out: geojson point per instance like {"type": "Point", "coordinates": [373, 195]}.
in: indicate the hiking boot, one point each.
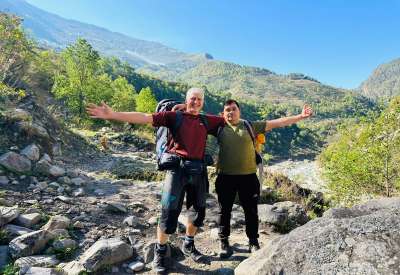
{"type": "Point", "coordinates": [160, 261]}
{"type": "Point", "coordinates": [225, 250]}
{"type": "Point", "coordinates": [253, 245]}
{"type": "Point", "coordinates": [189, 250]}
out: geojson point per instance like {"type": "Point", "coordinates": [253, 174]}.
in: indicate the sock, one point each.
{"type": "Point", "coordinates": [189, 240]}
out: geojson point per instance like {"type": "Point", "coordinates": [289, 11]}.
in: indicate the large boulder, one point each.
{"type": "Point", "coordinates": [8, 214]}
{"type": "Point", "coordinates": [32, 152]}
{"type": "Point", "coordinates": [57, 222]}
{"type": "Point", "coordinates": [102, 253]}
{"type": "Point", "coordinates": [364, 239]}
{"type": "Point", "coordinates": [30, 243]}
{"type": "Point", "coordinates": [15, 163]}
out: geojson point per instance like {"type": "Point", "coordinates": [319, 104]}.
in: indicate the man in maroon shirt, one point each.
{"type": "Point", "coordinates": [189, 176]}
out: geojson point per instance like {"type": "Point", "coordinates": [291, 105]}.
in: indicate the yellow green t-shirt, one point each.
{"type": "Point", "coordinates": [236, 149]}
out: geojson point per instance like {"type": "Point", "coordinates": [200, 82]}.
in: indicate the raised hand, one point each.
{"type": "Point", "coordinates": [306, 112]}
{"type": "Point", "coordinates": [179, 107]}
{"type": "Point", "coordinates": [102, 111]}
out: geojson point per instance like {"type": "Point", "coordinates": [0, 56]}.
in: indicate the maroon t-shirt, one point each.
{"type": "Point", "coordinates": [191, 137]}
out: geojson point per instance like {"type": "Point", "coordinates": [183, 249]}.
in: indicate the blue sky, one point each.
{"type": "Point", "coordinates": [339, 42]}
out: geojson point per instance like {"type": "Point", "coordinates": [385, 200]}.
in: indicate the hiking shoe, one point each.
{"type": "Point", "coordinates": [160, 261]}
{"type": "Point", "coordinates": [225, 250]}
{"type": "Point", "coordinates": [189, 250]}
{"type": "Point", "coordinates": [253, 245]}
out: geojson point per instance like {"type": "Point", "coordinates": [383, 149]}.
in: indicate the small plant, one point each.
{"type": "Point", "coordinates": [4, 237]}
{"type": "Point", "coordinates": [10, 269]}
{"type": "Point", "coordinates": [64, 253]}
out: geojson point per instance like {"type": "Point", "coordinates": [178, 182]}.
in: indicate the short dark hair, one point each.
{"type": "Point", "coordinates": [230, 102]}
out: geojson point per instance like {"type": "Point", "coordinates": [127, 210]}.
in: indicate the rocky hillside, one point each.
{"type": "Point", "coordinates": [384, 81]}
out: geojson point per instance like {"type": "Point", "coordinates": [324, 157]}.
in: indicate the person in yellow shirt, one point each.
{"type": "Point", "coordinates": [236, 167]}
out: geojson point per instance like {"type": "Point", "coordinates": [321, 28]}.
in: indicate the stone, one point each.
{"type": "Point", "coordinates": [78, 181]}
{"type": "Point", "coordinates": [136, 266]}
{"type": "Point", "coordinates": [42, 271]}
{"type": "Point", "coordinates": [54, 185]}
{"type": "Point", "coordinates": [105, 252]}
{"type": "Point", "coordinates": [131, 221]}
{"type": "Point", "coordinates": [296, 213]}
{"type": "Point", "coordinates": [64, 180]}
{"type": "Point", "coordinates": [80, 192]}
{"type": "Point", "coordinates": [37, 261]}
{"type": "Point", "coordinates": [29, 244]}
{"type": "Point", "coordinates": [272, 214]}
{"type": "Point", "coordinates": [34, 129]}
{"type": "Point", "coordinates": [74, 268]}
{"type": "Point", "coordinates": [15, 230]}
{"type": "Point", "coordinates": [116, 207]}
{"type": "Point", "coordinates": [64, 244]}
{"type": "Point", "coordinates": [32, 152]}
{"type": "Point", "coordinates": [42, 167]}
{"type": "Point", "coordinates": [152, 221]}
{"type": "Point", "coordinates": [65, 199]}
{"type": "Point", "coordinates": [57, 222]}
{"type": "Point", "coordinates": [56, 171]}
{"type": "Point", "coordinates": [46, 157]}
{"type": "Point", "coordinates": [16, 163]}
{"type": "Point", "coordinates": [363, 239]}
{"type": "Point", "coordinates": [214, 234]}
{"type": "Point", "coordinates": [42, 185]}
{"type": "Point", "coordinates": [28, 220]}
{"type": "Point", "coordinates": [4, 180]}
{"type": "Point", "coordinates": [8, 214]}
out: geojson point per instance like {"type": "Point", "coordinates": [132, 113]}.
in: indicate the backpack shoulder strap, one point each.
{"type": "Point", "coordinates": [204, 120]}
{"type": "Point", "coordinates": [219, 132]}
{"type": "Point", "coordinates": [250, 129]}
{"type": "Point", "coordinates": [178, 122]}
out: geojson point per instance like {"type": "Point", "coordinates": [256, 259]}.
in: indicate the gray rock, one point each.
{"type": "Point", "coordinates": [131, 221]}
{"type": "Point", "coordinates": [271, 214]}
{"type": "Point", "coordinates": [78, 181]}
{"type": "Point", "coordinates": [42, 271]}
{"type": "Point", "coordinates": [64, 180]}
{"type": "Point", "coordinates": [4, 257]}
{"type": "Point", "coordinates": [34, 129]}
{"type": "Point", "coordinates": [80, 192]}
{"type": "Point", "coordinates": [56, 171]}
{"type": "Point", "coordinates": [29, 244]}
{"type": "Point", "coordinates": [364, 239]}
{"type": "Point", "coordinates": [42, 185]}
{"type": "Point", "coordinates": [65, 199]}
{"type": "Point", "coordinates": [8, 214]}
{"type": "Point", "coordinates": [296, 213]}
{"type": "Point", "coordinates": [105, 252]}
{"type": "Point", "coordinates": [153, 221]}
{"type": "Point", "coordinates": [57, 222]}
{"type": "Point", "coordinates": [28, 220]}
{"type": "Point", "coordinates": [20, 115]}
{"type": "Point", "coordinates": [136, 266]}
{"type": "Point", "coordinates": [64, 244]}
{"type": "Point", "coordinates": [15, 163]}
{"type": "Point", "coordinates": [32, 152]}
{"type": "Point", "coordinates": [4, 180]}
{"type": "Point", "coordinates": [46, 157]}
{"type": "Point", "coordinates": [74, 268]}
{"type": "Point", "coordinates": [37, 261]}
{"type": "Point", "coordinates": [14, 230]}
{"type": "Point", "coordinates": [42, 167]}
{"type": "Point", "coordinates": [116, 207]}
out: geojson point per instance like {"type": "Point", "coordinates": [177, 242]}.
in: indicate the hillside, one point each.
{"type": "Point", "coordinates": [383, 82]}
{"type": "Point", "coordinates": [56, 32]}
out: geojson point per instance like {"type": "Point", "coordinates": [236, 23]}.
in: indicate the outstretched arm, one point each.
{"type": "Point", "coordinates": [286, 121]}
{"type": "Point", "coordinates": [103, 111]}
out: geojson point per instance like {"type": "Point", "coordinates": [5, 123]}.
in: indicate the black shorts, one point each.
{"type": "Point", "coordinates": [176, 184]}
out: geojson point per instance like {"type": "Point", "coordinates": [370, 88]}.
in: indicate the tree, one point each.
{"type": "Point", "coordinates": [146, 101]}
{"type": "Point", "coordinates": [123, 98]}
{"type": "Point", "coordinates": [15, 50]}
{"type": "Point", "coordinates": [80, 66]}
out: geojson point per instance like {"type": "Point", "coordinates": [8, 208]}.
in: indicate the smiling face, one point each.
{"type": "Point", "coordinates": [231, 113]}
{"type": "Point", "coordinates": [194, 101]}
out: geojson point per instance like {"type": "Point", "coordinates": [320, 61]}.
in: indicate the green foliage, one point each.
{"type": "Point", "coordinates": [4, 237]}
{"type": "Point", "coordinates": [364, 160]}
{"type": "Point", "coordinates": [10, 269]}
{"type": "Point", "coordinates": [15, 50]}
{"type": "Point", "coordinates": [123, 98]}
{"type": "Point", "coordinates": [10, 94]}
{"type": "Point", "coordinates": [146, 101]}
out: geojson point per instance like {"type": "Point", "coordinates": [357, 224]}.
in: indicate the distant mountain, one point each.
{"type": "Point", "coordinates": [246, 82]}
{"type": "Point", "coordinates": [383, 82]}
{"type": "Point", "coordinates": [169, 64]}
{"type": "Point", "coordinates": [57, 32]}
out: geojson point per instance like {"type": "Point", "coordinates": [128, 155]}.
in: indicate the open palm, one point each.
{"type": "Point", "coordinates": [102, 111]}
